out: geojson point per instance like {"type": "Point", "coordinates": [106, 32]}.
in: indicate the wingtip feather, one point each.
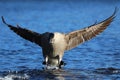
{"type": "Point", "coordinates": [3, 20]}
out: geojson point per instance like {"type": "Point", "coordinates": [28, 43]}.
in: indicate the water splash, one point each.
{"type": "Point", "coordinates": [15, 77]}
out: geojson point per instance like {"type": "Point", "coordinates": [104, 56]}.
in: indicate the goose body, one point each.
{"type": "Point", "coordinates": [53, 50]}
{"type": "Point", "coordinates": [54, 44]}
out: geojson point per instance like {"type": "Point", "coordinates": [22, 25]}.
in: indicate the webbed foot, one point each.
{"type": "Point", "coordinates": [62, 63]}
{"type": "Point", "coordinates": [44, 63]}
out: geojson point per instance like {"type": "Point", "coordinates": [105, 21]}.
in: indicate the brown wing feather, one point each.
{"type": "Point", "coordinates": [25, 33]}
{"type": "Point", "coordinates": [76, 37]}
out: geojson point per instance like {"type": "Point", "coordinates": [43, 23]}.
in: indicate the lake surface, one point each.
{"type": "Point", "coordinates": [97, 59]}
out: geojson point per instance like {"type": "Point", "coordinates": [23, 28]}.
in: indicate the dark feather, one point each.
{"type": "Point", "coordinates": [25, 33]}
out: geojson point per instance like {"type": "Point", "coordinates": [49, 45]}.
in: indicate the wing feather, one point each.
{"type": "Point", "coordinates": [77, 37]}
{"type": "Point", "coordinates": [25, 33]}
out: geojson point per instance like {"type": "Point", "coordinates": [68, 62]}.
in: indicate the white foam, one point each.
{"type": "Point", "coordinates": [51, 67]}
{"type": "Point", "coordinates": [13, 76]}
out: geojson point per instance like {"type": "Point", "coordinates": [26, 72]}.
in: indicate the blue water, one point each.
{"type": "Point", "coordinates": [97, 59]}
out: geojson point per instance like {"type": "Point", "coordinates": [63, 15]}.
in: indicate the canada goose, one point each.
{"type": "Point", "coordinates": [54, 44]}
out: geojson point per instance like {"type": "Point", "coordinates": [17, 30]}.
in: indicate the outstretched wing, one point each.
{"type": "Point", "coordinates": [77, 37]}
{"type": "Point", "coordinates": [25, 33]}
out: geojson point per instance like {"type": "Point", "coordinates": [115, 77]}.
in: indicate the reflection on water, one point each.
{"type": "Point", "coordinates": [97, 59]}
